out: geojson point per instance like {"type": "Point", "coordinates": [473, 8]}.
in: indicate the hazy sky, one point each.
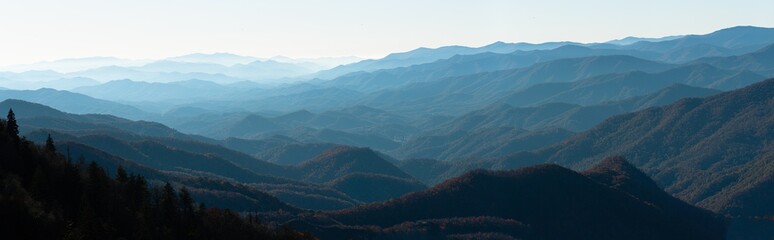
{"type": "Point", "coordinates": [32, 30]}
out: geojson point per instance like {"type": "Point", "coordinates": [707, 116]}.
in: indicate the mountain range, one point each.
{"type": "Point", "coordinates": [711, 151]}
{"type": "Point", "coordinates": [637, 138]}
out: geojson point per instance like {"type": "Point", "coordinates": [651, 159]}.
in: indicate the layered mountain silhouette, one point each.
{"type": "Point", "coordinates": [154, 146]}
{"type": "Point", "coordinates": [479, 142]}
{"type": "Point", "coordinates": [736, 40]}
{"type": "Point", "coordinates": [394, 148]}
{"type": "Point", "coordinates": [40, 116]}
{"type": "Point", "coordinates": [741, 37]}
{"type": "Point", "coordinates": [427, 55]}
{"type": "Point", "coordinates": [496, 131]}
{"type": "Point", "coordinates": [128, 90]}
{"type": "Point", "coordinates": [761, 61]}
{"type": "Point", "coordinates": [624, 85]}
{"type": "Point", "coordinates": [570, 116]}
{"type": "Point", "coordinates": [357, 126]}
{"type": "Point", "coordinates": [709, 151]}
{"type": "Point", "coordinates": [453, 93]}
{"type": "Point", "coordinates": [471, 64]}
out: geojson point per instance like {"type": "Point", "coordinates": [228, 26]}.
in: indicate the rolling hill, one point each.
{"type": "Point", "coordinates": [340, 161]}
{"type": "Point", "coordinates": [547, 198]}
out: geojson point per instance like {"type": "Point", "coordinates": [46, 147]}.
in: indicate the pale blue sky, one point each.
{"type": "Point", "coordinates": [33, 30]}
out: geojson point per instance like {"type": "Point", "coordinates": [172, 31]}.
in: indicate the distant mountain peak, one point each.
{"type": "Point", "coordinates": [743, 28]}
{"type": "Point", "coordinates": [222, 58]}
{"type": "Point", "coordinates": [216, 54]}
{"type": "Point", "coordinates": [497, 44]}
{"type": "Point", "coordinates": [571, 47]}
{"type": "Point", "coordinates": [631, 40]}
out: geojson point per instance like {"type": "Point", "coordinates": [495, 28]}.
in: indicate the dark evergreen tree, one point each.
{"type": "Point", "coordinates": [50, 144]}
{"type": "Point", "coordinates": [12, 128]}
{"type": "Point", "coordinates": [188, 215]}
{"type": "Point", "coordinates": [168, 205]}
{"type": "Point", "coordinates": [121, 175]}
{"type": "Point", "coordinates": [186, 203]}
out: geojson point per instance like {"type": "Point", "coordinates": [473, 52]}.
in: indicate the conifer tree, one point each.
{"type": "Point", "coordinates": [50, 144]}
{"type": "Point", "coordinates": [11, 127]}
{"type": "Point", "coordinates": [186, 202]}
{"type": "Point", "coordinates": [121, 175]}
{"type": "Point", "coordinates": [169, 206]}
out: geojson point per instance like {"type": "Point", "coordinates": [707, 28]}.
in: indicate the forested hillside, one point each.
{"type": "Point", "coordinates": [46, 195]}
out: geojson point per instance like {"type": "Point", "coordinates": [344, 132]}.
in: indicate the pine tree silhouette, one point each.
{"type": "Point", "coordinates": [12, 128]}
{"type": "Point", "coordinates": [50, 144]}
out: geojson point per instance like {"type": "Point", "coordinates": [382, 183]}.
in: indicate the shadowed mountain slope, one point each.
{"type": "Point", "coordinates": [553, 201]}
{"type": "Point", "coordinates": [707, 151]}
{"type": "Point", "coordinates": [340, 161]}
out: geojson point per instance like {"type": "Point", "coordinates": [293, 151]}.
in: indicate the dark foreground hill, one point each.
{"type": "Point", "coordinates": [613, 201]}
{"type": "Point", "coordinates": [44, 195]}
